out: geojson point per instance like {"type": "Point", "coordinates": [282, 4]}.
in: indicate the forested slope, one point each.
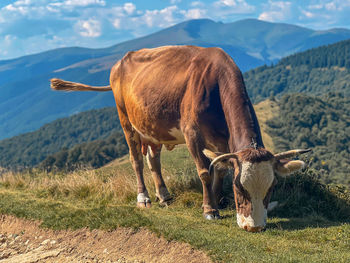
{"type": "Point", "coordinates": [30, 149]}
{"type": "Point", "coordinates": [91, 154]}
{"type": "Point", "coordinates": [316, 71]}
{"type": "Point", "coordinates": [321, 123]}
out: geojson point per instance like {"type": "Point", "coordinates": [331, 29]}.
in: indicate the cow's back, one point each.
{"type": "Point", "coordinates": [152, 87]}
{"type": "Point", "coordinates": [149, 85]}
{"type": "Point", "coordinates": [148, 75]}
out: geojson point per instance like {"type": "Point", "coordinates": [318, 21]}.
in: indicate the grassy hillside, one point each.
{"type": "Point", "coordinates": [30, 149]}
{"type": "Point", "coordinates": [312, 223]}
{"type": "Point", "coordinates": [316, 71]}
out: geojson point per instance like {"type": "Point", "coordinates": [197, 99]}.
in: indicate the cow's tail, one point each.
{"type": "Point", "coordinates": [59, 84]}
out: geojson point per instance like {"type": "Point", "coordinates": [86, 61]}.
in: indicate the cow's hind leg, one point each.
{"type": "Point", "coordinates": [196, 145]}
{"type": "Point", "coordinates": [153, 161]}
{"type": "Point", "coordinates": [136, 158]}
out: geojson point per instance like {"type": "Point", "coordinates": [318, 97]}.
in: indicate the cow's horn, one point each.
{"type": "Point", "coordinates": [220, 158]}
{"type": "Point", "coordinates": [290, 154]}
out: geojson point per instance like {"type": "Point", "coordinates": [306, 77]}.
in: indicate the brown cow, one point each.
{"type": "Point", "coordinates": [185, 94]}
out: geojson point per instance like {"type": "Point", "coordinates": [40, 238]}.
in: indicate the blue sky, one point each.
{"type": "Point", "coordinates": [32, 26]}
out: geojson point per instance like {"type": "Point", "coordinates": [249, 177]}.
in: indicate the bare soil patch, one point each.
{"type": "Point", "coordinates": [24, 241]}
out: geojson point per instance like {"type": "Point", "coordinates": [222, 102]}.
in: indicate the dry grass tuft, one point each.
{"type": "Point", "coordinates": [81, 185]}
{"type": "Point", "coordinates": [115, 183]}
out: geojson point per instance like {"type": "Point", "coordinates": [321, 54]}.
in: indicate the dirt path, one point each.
{"type": "Point", "coordinates": [24, 241]}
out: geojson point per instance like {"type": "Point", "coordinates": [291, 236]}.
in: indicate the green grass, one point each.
{"type": "Point", "coordinates": [311, 225]}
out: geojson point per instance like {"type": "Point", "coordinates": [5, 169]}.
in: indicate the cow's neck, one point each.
{"type": "Point", "coordinates": [239, 113]}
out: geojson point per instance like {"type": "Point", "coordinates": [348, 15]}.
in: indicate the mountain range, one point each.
{"type": "Point", "coordinates": [26, 101]}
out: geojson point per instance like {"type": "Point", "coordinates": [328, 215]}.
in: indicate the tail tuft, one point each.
{"type": "Point", "coordinates": [58, 84]}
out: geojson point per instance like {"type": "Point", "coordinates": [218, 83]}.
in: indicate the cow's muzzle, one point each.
{"type": "Point", "coordinates": [254, 229]}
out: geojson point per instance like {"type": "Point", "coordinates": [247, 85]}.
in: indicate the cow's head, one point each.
{"type": "Point", "coordinates": [254, 180]}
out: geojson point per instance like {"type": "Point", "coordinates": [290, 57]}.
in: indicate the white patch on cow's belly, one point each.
{"type": "Point", "coordinates": [146, 136]}
{"type": "Point", "coordinates": [178, 135]}
{"type": "Point", "coordinates": [173, 132]}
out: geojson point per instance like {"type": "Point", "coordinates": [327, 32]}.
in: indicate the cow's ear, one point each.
{"type": "Point", "coordinates": [222, 164]}
{"type": "Point", "coordinates": [286, 167]}
{"type": "Point", "coordinates": [211, 155]}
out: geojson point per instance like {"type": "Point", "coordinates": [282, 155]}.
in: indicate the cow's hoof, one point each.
{"type": "Point", "coordinates": [144, 204]}
{"type": "Point", "coordinates": [214, 216]}
{"type": "Point", "coordinates": [165, 203]}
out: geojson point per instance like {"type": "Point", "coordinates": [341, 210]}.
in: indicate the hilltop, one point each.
{"type": "Point", "coordinates": [26, 101]}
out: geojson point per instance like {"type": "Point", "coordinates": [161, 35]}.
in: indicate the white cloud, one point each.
{"type": "Point", "coordinates": [129, 8]}
{"type": "Point", "coordinates": [308, 14]}
{"type": "Point", "coordinates": [234, 6]}
{"type": "Point", "coordinates": [23, 10]}
{"type": "Point", "coordinates": [226, 3]}
{"type": "Point", "coordinates": [331, 6]}
{"type": "Point", "coordinates": [316, 6]}
{"type": "Point", "coordinates": [276, 11]}
{"type": "Point", "coordinates": [9, 39]}
{"type": "Point", "coordinates": [116, 23]}
{"type": "Point", "coordinates": [197, 4]}
{"type": "Point", "coordinates": [337, 5]}
{"type": "Point", "coordinates": [326, 13]}
{"type": "Point", "coordinates": [194, 13]}
{"type": "Point", "coordinates": [160, 18]}
{"type": "Point", "coordinates": [23, 2]}
{"type": "Point", "coordinates": [89, 28]}
{"type": "Point", "coordinates": [227, 9]}
{"type": "Point", "coordinates": [84, 2]}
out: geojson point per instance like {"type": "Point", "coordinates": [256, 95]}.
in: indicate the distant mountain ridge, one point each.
{"type": "Point", "coordinates": [26, 101]}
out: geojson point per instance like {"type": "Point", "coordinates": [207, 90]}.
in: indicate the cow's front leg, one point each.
{"type": "Point", "coordinates": [221, 200]}
{"type": "Point", "coordinates": [195, 144]}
